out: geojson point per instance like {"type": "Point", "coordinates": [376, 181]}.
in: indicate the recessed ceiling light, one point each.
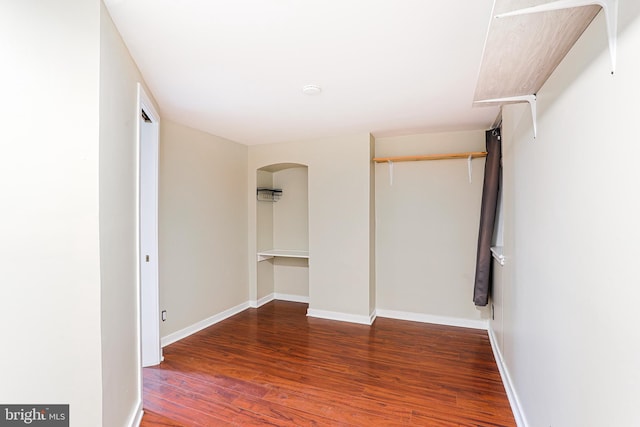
{"type": "Point", "coordinates": [311, 90]}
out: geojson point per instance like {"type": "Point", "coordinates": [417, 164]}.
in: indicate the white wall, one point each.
{"type": "Point", "coordinates": [291, 212]}
{"type": "Point", "coordinates": [569, 286]}
{"type": "Point", "coordinates": [265, 212]}
{"type": "Point", "coordinates": [291, 231]}
{"type": "Point", "coordinates": [203, 225]}
{"type": "Point", "coordinates": [427, 226]}
{"type": "Point", "coordinates": [118, 217]}
{"type": "Point", "coordinates": [339, 271]}
{"type": "Point", "coordinates": [49, 221]}
{"type": "Point", "coordinates": [264, 238]}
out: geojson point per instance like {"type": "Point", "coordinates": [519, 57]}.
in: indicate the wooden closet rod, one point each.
{"type": "Point", "coordinates": [472, 154]}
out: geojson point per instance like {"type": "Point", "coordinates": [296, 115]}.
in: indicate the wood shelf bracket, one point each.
{"type": "Point", "coordinates": [531, 99]}
{"type": "Point", "coordinates": [610, 8]}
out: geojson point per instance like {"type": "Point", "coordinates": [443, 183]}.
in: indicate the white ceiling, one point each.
{"type": "Point", "coordinates": [236, 68]}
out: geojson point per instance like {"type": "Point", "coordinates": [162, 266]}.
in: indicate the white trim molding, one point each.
{"type": "Point", "coordinates": [278, 296]}
{"type": "Point", "coordinates": [342, 317]}
{"type": "Point", "coordinates": [509, 388]}
{"type": "Point", "coordinates": [198, 326]}
{"type": "Point", "coordinates": [147, 282]}
{"type": "Point", "coordinates": [291, 298]}
{"type": "Point", "coordinates": [262, 301]}
{"type": "Point", "coordinates": [136, 417]}
{"type": "Point", "coordinates": [438, 320]}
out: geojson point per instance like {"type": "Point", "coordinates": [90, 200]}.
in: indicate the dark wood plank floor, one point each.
{"type": "Point", "coordinates": [275, 366]}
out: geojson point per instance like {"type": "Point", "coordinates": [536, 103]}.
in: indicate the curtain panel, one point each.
{"type": "Point", "coordinates": [491, 186]}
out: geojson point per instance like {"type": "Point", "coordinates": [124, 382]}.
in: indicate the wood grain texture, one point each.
{"type": "Point", "coordinates": [444, 156]}
{"type": "Point", "coordinates": [276, 366]}
{"type": "Point", "coordinates": [522, 51]}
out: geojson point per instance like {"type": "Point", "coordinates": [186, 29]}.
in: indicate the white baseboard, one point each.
{"type": "Point", "coordinates": [291, 297]}
{"type": "Point", "coordinates": [278, 296]}
{"type": "Point", "coordinates": [262, 301]}
{"type": "Point", "coordinates": [343, 317]}
{"type": "Point", "coordinates": [430, 318]}
{"type": "Point", "coordinates": [189, 330]}
{"type": "Point", "coordinates": [516, 407]}
{"type": "Point", "coordinates": [136, 417]}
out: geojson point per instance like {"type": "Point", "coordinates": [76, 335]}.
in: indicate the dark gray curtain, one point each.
{"type": "Point", "coordinates": [482, 287]}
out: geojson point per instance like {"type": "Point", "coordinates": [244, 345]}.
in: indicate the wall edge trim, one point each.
{"type": "Point", "coordinates": [430, 318]}
{"type": "Point", "coordinates": [514, 401]}
{"type": "Point", "coordinates": [136, 417]}
{"type": "Point", "coordinates": [261, 301]}
{"type": "Point", "coordinates": [342, 317]}
{"type": "Point", "coordinates": [291, 297]}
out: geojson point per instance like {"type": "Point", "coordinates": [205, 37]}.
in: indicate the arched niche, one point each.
{"type": "Point", "coordinates": [282, 231]}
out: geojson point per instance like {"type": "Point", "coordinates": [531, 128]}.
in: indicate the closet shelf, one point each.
{"type": "Point", "coordinates": [285, 253]}
{"type": "Point", "coordinates": [472, 154]}
{"type": "Point", "coordinates": [524, 46]}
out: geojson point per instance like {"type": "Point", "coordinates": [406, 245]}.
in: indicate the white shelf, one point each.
{"type": "Point", "coordinates": [498, 254]}
{"type": "Point", "coordinates": [286, 253]}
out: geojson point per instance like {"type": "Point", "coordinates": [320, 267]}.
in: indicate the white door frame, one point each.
{"type": "Point", "coordinates": [148, 289]}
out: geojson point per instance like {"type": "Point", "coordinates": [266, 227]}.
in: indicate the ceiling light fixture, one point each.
{"type": "Point", "coordinates": [311, 89]}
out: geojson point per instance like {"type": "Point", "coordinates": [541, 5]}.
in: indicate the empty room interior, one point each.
{"type": "Point", "coordinates": [262, 183]}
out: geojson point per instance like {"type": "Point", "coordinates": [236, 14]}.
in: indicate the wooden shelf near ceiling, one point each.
{"type": "Point", "coordinates": [472, 154]}
{"type": "Point", "coordinates": [522, 51]}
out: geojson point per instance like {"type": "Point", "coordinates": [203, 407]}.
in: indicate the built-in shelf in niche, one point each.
{"type": "Point", "coordinates": [282, 230]}
{"type": "Point", "coordinates": [268, 194]}
{"type": "Point", "coordinates": [285, 253]}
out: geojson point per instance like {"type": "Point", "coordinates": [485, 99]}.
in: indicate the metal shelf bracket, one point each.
{"type": "Point", "coordinates": [531, 99]}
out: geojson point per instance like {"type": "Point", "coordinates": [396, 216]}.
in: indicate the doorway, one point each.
{"type": "Point", "coordinates": [148, 146]}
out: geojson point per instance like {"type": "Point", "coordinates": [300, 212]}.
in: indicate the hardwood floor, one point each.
{"type": "Point", "coordinates": [275, 366]}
